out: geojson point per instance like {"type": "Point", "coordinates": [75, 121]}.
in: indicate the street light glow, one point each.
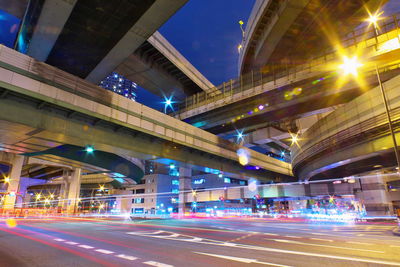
{"type": "Point", "coordinates": [350, 65]}
{"type": "Point", "coordinates": [374, 18]}
{"type": "Point", "coordinates": [6, 180]}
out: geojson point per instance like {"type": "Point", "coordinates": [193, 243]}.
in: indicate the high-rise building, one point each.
{"type": "Point", "coordinates": [120, 85]}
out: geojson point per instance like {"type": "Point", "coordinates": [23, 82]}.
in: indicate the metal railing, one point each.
{"type": "Point", "coordinates": [363, 36]}
{"type": "Point", "coordinates": [320, 138]}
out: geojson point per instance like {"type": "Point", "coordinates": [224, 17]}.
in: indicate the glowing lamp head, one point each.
{"type": "Point", "coordinates": [51, 196]}
{"type": "Point", "coordinates": [350, 65]}
{"type": "Point", "coordinates": [101, 188]}
{"type": "Point", "coordinates": [6, 179]}
{"type": "Point", "coordinates": [374, 18]}
{"type": "Point", "coordinates": [168, 102]}
{"type": "Point", "coordinates": [241, 22]}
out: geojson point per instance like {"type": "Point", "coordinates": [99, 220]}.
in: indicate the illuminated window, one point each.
{"type": "Point", "coordinates": [175, 191]}
{"type": "Point", "coordinates": [227, 180]}
{"type": "Point", "coordinates": [175, 182]}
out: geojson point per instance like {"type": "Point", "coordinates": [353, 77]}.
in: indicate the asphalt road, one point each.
{"type": "Point", "coordinates": [195, 242]}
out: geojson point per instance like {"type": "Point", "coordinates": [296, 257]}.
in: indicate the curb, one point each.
{"type": "Point", "coordinates": [396, 231]}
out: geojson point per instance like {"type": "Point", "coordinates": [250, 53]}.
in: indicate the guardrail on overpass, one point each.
{"type": "Point", "coordinates": [24, 75]}
{"type": "Point", "coordinates": [254, 83]}
{"type": "Point", "coordinates": [362, 120]}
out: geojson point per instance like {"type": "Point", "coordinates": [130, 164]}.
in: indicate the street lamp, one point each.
{"type": "Point", "coordinates": [373, 19]}
{"type": "Point", "coordinates": [168, 103]}
{"type": "Point", "coordinates": [350, 66]}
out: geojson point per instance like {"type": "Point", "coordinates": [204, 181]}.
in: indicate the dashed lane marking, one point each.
{"type": "Point", "coordinates": [71, 243]}
{"type": "Point", "coordinates": [358, 243]}
{"type": "Point", "coordinates": [270, 234]}
{"type": "Point", "coordinates": [85, 246]}
{"type": "Point", "coordinates": [59, 239]}
{"type": "Point", "coordinates": [326, 246]}
{"type": "Point", "coordinates": [318, 234]}
{"type": "Point", "coordinates": [126, 257]}
{"type": "Point", "coordinates": [243, 237]}
{"type": "Point", "coordinates": [104, 251]}
{"type": "Point", "coordinates": [244, 260]}
{"type": "Point", "coordinates": [320, 239]}
{"type": "Point", "coordinates": [157, 264]}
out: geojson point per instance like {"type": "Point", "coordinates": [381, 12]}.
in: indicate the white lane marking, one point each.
{"type": "Point", "coordinates": [126, 257]}
{"type": "Point", "coordinates": [244, 260]}
{"type": "Point", "coordinates": [318, 234]}
{"type": "Point", "coordinates": [104, 251]}
{"type": "Point", "coordinates": [157, 264]}
{"type": "Point", "coordinates": [229, 244]}
{"type": "Point", "coordinates": [326, 246]}
{"type": "Point", "coordinates": [145, 233]}
{"type": "Point", "coordinates": [293, 252]}
{"type": "Point", "coordinates": [320, 239]}
{"type": "Point", "coordinates": [270, 234]}
{"type": "Point", "coordinates": [292, 236]}
{"type": "Point", "coordinates": [59, 239]}
{"type": "Point", "coordinates": [71, 243]}
{"type": "Point", "coordinates": [85, 246]}
{"type": "Point", "coordinates": [358, 243]}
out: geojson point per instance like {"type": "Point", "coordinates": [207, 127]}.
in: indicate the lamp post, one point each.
{"type": "Point", "coordinates": [373, 19]}
{"type": "Point", "coordinates": [396, 151]}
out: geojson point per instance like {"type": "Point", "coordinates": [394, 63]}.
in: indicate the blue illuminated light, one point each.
{"type": "Point", "coordinates": [89, 149]}
{"type": "Point", "coordinates": [199, 181]}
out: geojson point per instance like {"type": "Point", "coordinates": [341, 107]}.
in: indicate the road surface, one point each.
{"type": "Point", "coordinates": [195, 242]}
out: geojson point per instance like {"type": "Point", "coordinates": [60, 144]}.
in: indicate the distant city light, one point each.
{"type": "Point", "coordinates": [89, 149]}
{"type": "Point", "coordinates": [294, 139]}
{"type": "Point", "coordinates": [239, 136]}
{"type": "Point", "coordinates": [172, 166]}
{"type": "Point", "coordinates": [168, 104]}
{"type": "Point", "coordinates": [243, 156]}
{"type": "Point", "coordinates": [7, 179]}
{"type": "Point", "coordinates": [260, 107]}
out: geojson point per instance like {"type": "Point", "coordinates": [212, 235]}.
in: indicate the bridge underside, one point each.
{"type": "Point", "coordinates": [54, 126]}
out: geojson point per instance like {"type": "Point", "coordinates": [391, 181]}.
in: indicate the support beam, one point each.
{"type": "Point", "coordinates": [53, 16]}
{"type": "Point", "coordinates": [185, 178]}
{"type": "Point", "coordinates": [74, 190]}
{"type": "Point", "coordinates": [13, 185]}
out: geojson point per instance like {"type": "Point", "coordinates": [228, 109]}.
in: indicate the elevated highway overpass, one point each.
{"type": "Point", "coordinates": [286, 32]}
{"type": "Point", "coordinates": [353, 139]}
{"type": "Point", "coordinates": [60, 108]}
{"type": "Point", "coordinates": [90, 39]}
{"type": "Point", "coordinates": [256, 100]}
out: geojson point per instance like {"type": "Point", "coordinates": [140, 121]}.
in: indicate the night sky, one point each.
{"type": "Point", "coordinates": [207, 33]}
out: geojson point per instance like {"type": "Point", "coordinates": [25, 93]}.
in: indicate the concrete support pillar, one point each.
{"type": "Point", "coordinates": [13, 185]}
{"type": "Point", "coordinates": [74, 190]}
{"type": "Point", "coordinates": [63, 190]}
{"type": "Point", "coordinates": [373, 193]}
{"type": "Point", "coordinates": [185, 179]}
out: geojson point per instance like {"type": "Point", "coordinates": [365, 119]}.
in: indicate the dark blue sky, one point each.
{"type": "Point", "coordinates": [207, 33]}
{"type": "Point", "coordinates": [9, 26]}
